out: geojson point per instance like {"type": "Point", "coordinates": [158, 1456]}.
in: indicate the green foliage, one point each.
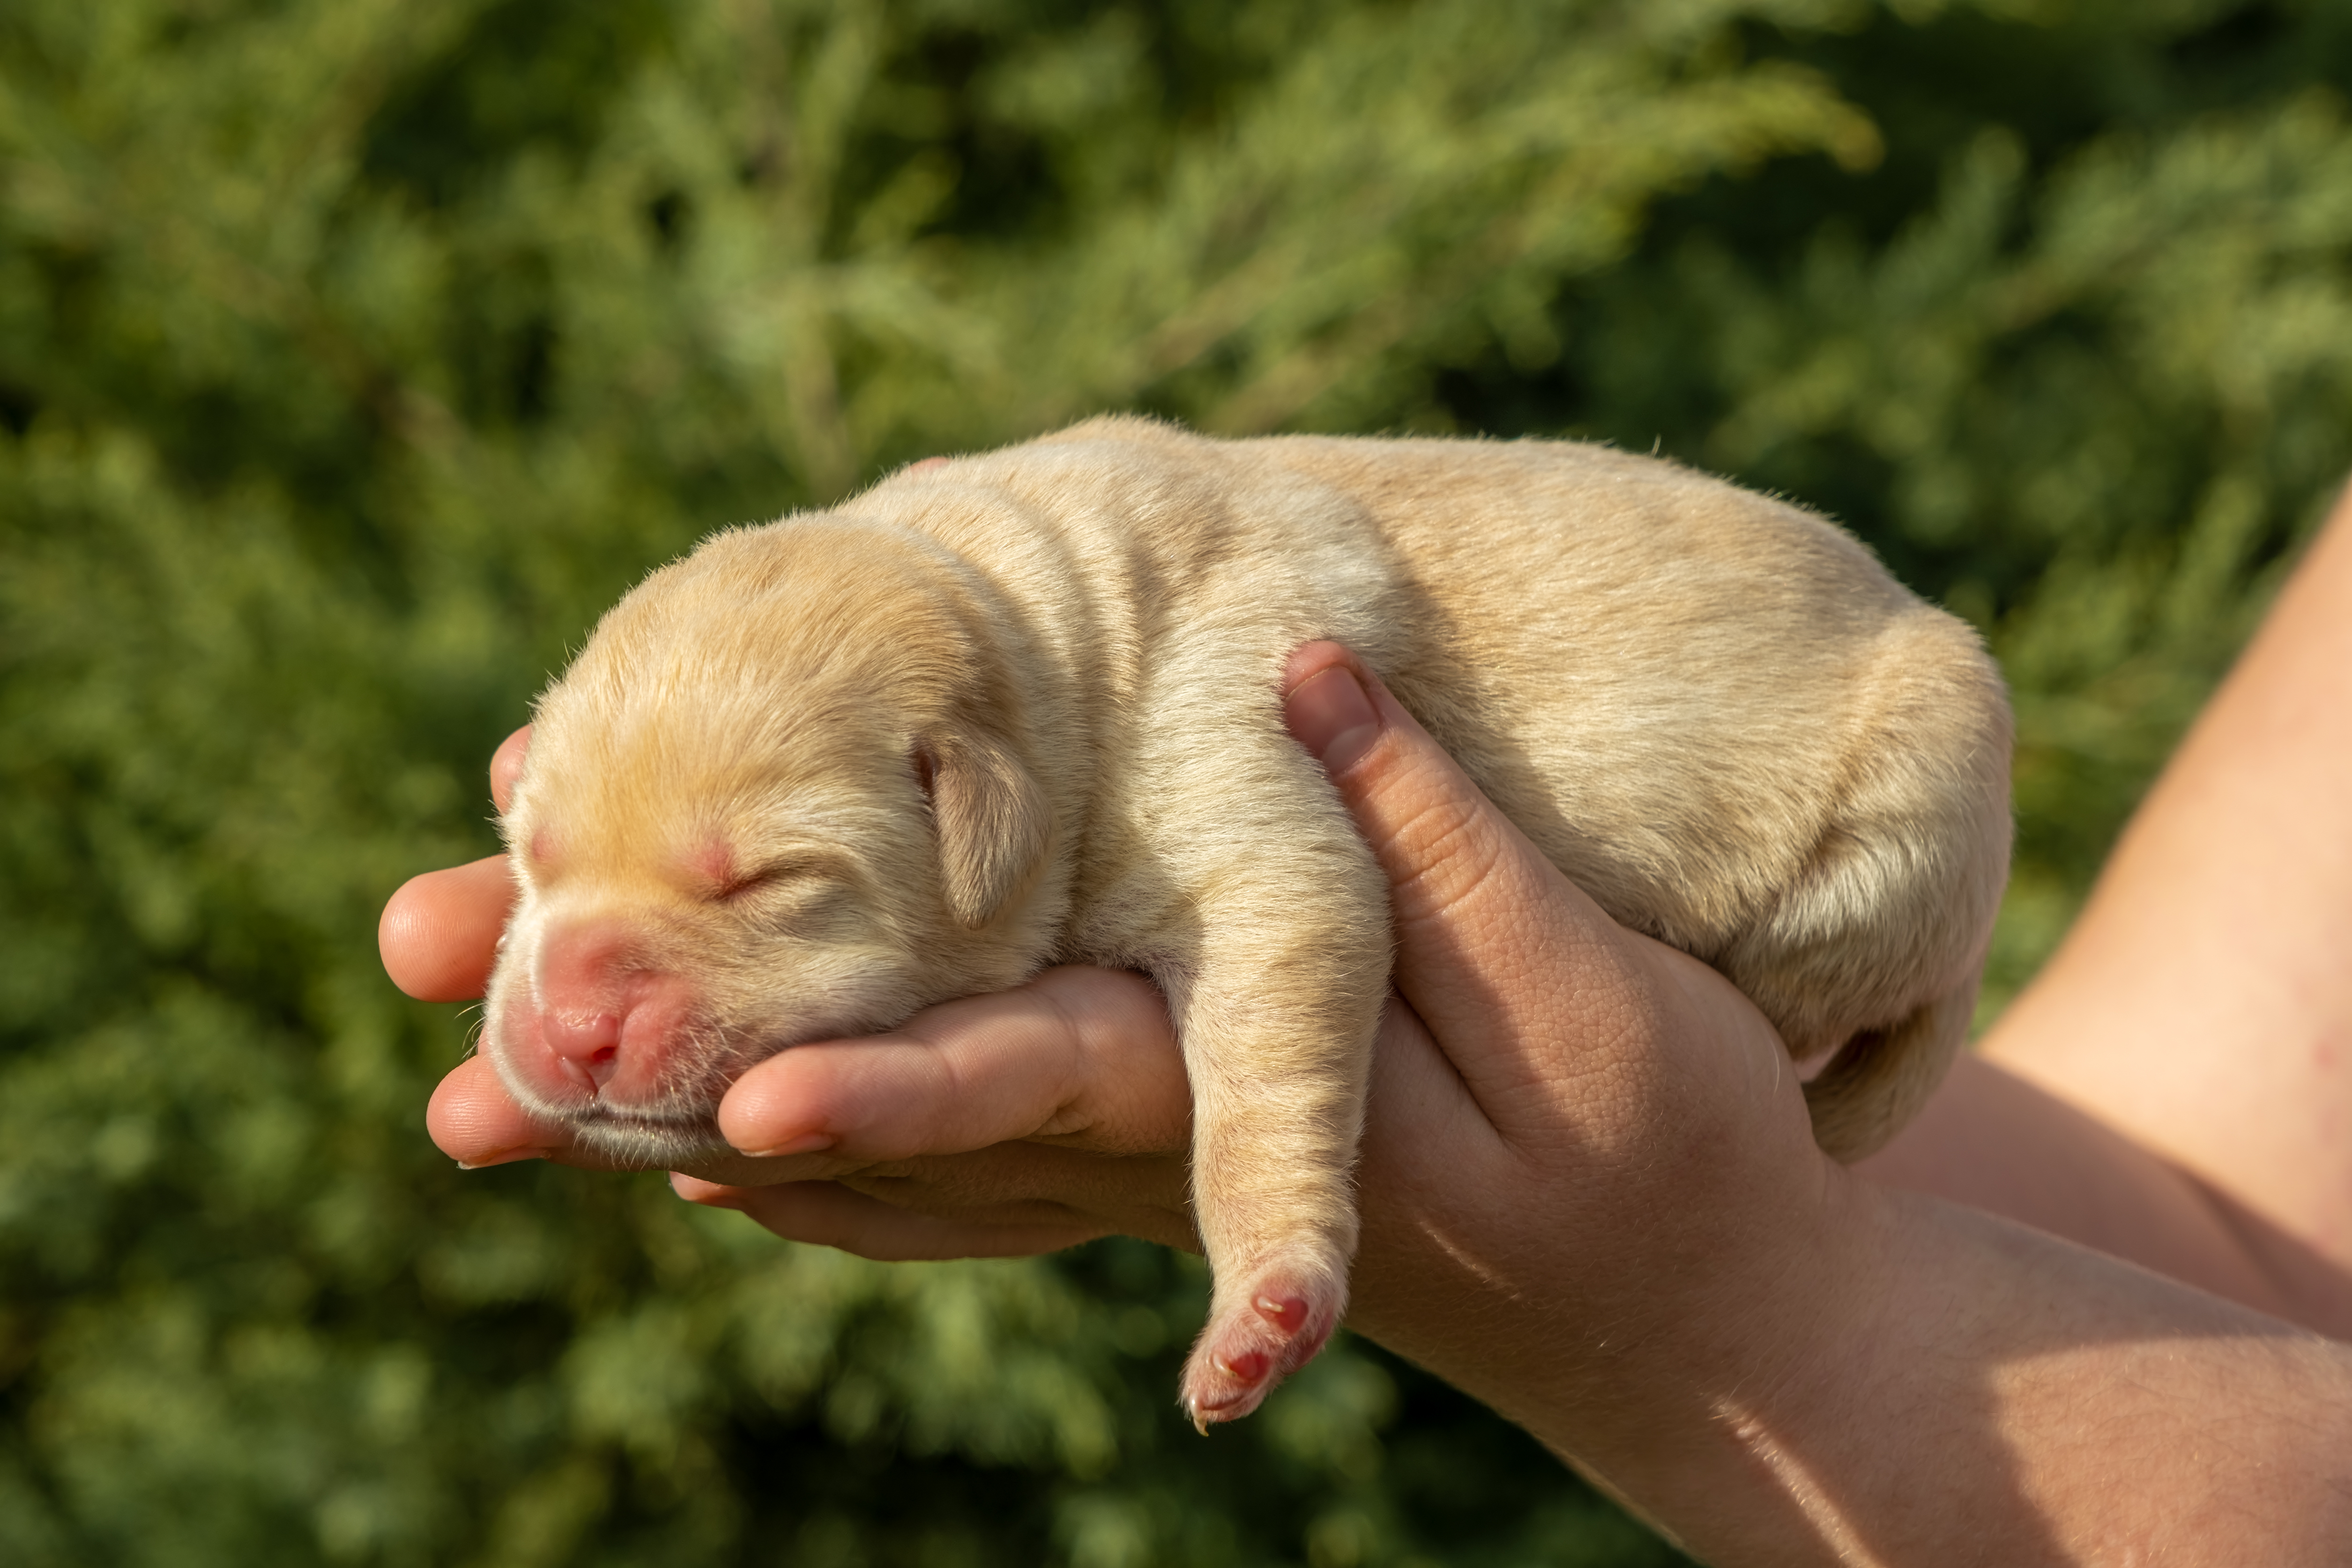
{"type": "Point", "coordinates": [354, 354]}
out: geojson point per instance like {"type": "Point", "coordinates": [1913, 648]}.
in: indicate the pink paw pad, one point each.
{"type": "Point", "coordinates": [1287, 1314]}
{"type": "Point", "coordinates": [1245, 1350]}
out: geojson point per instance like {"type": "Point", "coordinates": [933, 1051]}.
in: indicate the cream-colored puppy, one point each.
{"type": "Point", "coordinates": [1020, 708]}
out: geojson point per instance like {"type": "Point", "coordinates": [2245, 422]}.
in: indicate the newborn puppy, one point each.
{"type": "Point", "coordinates": [1020, 709]}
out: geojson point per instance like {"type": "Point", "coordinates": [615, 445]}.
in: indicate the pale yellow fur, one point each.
{"type": "Point", "coordinates": [1714, 712]}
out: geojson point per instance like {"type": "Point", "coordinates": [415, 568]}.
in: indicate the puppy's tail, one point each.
{"type": "Point", "coordinates": [1880, 1078]}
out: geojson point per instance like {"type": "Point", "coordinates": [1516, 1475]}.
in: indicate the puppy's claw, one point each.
{"type": "Point", "coordinates": [1287, 1314]}
{"type": "Point", "coordinates": [1247, 1351]}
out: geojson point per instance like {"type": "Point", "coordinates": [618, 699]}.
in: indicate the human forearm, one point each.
{"type": "Point", "coordinates": [2172, 1089]}
{"type": "Point", "coordinates": [2202, 1003]}
{"type": "Point", "coordinates": [1923, 1383]}
{"type": "Point", "coordinates": [2050, 1404]}
{"type": "Point", "coordinates": [2021, 1400]}
{"type": "Point", "coordinates": [1997, 1142]}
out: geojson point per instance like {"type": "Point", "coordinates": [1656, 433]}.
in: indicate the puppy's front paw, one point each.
{"type": "Point", "coordinates": [1261, 1330]}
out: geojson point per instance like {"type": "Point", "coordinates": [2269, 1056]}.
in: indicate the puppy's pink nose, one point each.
{"type": "Point", "coordinates": [586, 1045]}
{"type": "Point", "coordinates": [587, 991]}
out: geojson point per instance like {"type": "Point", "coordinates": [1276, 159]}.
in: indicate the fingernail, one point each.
{"type": "Point", "coordinates": [710, 1195]}
{"type": "Point", "coordinates": [806, 1144]}
{"type": "Point", "coordinates": [1332, 718]}
{"type": "Point", "coordinates": [504, 1157]}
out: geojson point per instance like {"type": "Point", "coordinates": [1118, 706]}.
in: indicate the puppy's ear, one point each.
{"type": "Point", "coordinates": [994, 824]}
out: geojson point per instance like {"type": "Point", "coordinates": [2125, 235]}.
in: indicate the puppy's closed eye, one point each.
{"type": "Point", "coordinates": [771, 882]}
{"type": "Point", "coordinates": [800, 899]}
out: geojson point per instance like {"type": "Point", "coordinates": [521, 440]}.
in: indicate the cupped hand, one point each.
{"type": "Point", "coordinates": [1587, 1177]}
{"type": "Point", "coordinates": [997, 1125]}
{"type": "Point", "coordinates": [1581, 1144]}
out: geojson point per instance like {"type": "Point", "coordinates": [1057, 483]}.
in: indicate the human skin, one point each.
{"type": "Point", "coordinates": [1591, 1198]}
{"type": "Point", "coordinates": [2176, 1087]}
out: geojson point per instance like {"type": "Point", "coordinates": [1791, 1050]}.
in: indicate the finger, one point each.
{"type": "Point", "coordinates": [476, 1122]}
{"type": "Point", "coordinates": [830, 1214]}
{"type": "Point", "coordinates": [439, 933]}
{"type": "Point", "coordinates": [1414, 1206]}
{"type": "Point", "coordinates": [1475, 904]}
{"type": "Point", "coordinates": [1020, 1184]}
{"type": "Point", "coordinates": [506, 767]}
{"type": "Point", "coordinates": [1080, 1056]}
{"type": "Point", "coordinates": [1027, 1184]}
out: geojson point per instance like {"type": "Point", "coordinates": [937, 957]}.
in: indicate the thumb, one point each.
{"type": "Point", "coordinates": [1495, 950]}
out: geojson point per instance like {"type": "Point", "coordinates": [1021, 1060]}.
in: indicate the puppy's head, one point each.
{"type": "Point", "coordinates": [782, 795]}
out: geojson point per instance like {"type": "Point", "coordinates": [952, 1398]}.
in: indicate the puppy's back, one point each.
{"type": "Point", "coordinates": [1721, 717]}
{"type": "Point", "coordinates": [1715, 712]}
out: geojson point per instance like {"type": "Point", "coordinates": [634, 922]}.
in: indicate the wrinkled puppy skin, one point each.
{"type": "Point", "coordinates": [1018, 709]}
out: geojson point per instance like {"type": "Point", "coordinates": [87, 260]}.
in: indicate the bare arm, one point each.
{"type": "Point", "coordinates": [2176, 1086]}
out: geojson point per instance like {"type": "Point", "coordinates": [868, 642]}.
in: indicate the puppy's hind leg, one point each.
{"type": "Point", "coordinates": [1277, 1016]}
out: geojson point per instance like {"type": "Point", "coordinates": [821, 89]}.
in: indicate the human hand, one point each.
{"type": "Point", "coordinates": [1007, 1124]}
{"type": "Point", "coordinates": [1563, 1112]}
{"type": "Point", "coordinates": [1587, 1157]}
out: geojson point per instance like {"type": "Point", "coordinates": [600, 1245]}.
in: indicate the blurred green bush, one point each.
{"type": "Point", "coordinates": [354, 353]}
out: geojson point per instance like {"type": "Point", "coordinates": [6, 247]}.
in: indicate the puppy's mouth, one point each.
{"type": "Point", "coordinates": [667, 1118]}
{"type": "Point", "coordinates": [646, 1141]}
{"type": "Point", "coordinates": [681, 1127]}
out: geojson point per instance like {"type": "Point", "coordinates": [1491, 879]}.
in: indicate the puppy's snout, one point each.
{"type": "Point", "coordinates": [607, 1020]}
